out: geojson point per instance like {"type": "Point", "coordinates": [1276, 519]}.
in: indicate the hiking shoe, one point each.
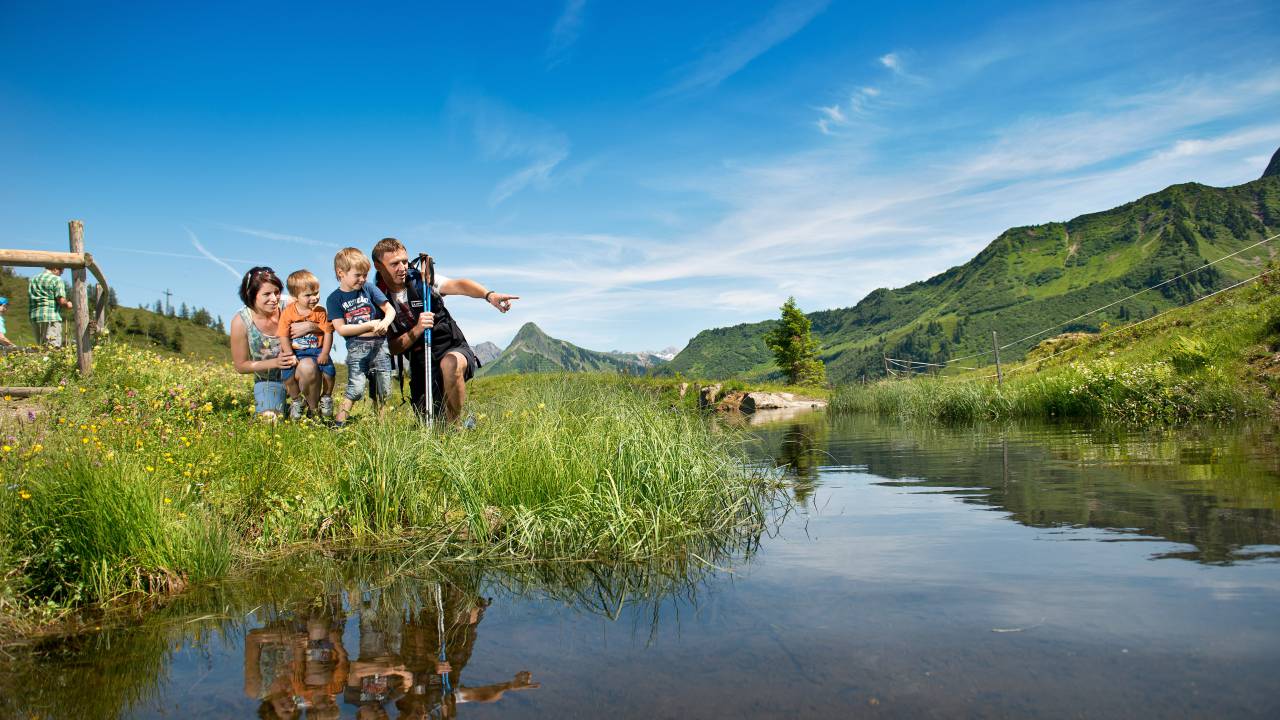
{"type": "Point", "coordinates": [337, 424]}
{"type": "Point", "coordinates": [326, 406]}
{"type": "Point", "coordinates": [296, 409]}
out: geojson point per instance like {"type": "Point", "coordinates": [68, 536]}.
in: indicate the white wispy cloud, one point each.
{"type": "Point", "coordinates": [282, 237]}
{"type": "Point", "coordinates": [738, 51]}
{"type": "Point", "coordinates": [504, 134]}
{"type": "Point", "coordinates": [893, 61]}
{"type": "Point", "coordinates": [162, 253]}
{"type": "Point", "coordinates": [565, 31]}
{"type": "Point", "coordinates": [195, 242]}
{"type": "Point", "coordinates": [835, 117]}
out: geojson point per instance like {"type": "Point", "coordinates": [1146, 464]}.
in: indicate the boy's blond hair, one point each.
{"type": "Point", "coordinates": [349, 258]}
{"type": "Point", "coordinates": [302, 280]}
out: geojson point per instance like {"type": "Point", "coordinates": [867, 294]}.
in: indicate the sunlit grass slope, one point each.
{"type": "Point", "coordinates": [1216, 358]}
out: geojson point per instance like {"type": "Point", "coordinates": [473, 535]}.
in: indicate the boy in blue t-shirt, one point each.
{"type": "Point", "coordinates": [361, 314]}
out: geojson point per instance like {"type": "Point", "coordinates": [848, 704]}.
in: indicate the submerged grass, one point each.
{"type": "Point", "coordinates": [155, 475]}
{"type": "Point", "coordinates": [1215, 359]}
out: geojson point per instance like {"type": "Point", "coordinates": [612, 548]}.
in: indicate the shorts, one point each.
{"type": "Point", "coordinates": [268, 396]}
{"type": "Point", "coordinates": [416, 395]}
{"type": "Point", "coordinates": [313, 353]}
{"type": "Point", "coordinates": [48, 333]}
{"type": "Point", "coordinates": [368, 358]}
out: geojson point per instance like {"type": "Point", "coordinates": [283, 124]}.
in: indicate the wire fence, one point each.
{"type": "Point", "coordinates": [896, 367]}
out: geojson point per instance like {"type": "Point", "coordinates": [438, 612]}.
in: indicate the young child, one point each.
{"type": "Point", "coordinates": [310, 348]}
{"type": "Point", "coordinates": [361, 313]}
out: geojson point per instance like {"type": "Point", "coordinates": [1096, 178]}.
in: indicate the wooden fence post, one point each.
{"type": "Point", "coordinates": [80, 302]}
{"type": "Point", "coordinates": [995, 344]}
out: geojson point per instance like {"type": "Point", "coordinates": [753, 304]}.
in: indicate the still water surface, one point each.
{"type": "Point", "coordinates": [985, 572]}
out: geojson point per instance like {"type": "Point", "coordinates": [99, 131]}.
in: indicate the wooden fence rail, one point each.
{"type": "Point", "coordinates": [79, 261]}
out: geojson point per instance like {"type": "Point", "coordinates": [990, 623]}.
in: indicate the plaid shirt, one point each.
{"type": "Point", "coordinates": [43, 291]}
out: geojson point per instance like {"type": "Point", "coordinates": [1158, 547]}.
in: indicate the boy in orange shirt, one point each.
{"type": "Point", "coordinates": [315, 370]}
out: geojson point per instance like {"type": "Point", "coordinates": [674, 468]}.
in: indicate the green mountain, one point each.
{"type": "Point", "coordinates": [1273, 168]}
{"type": "Point", "coordinates": [1029, 279]}
{"type": "Point", "coordinates": [132, 326]}
{"type": "Point", "coordinates": [534, 351]}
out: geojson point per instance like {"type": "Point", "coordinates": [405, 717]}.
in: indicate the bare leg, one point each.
{"type": "Point", "coordinates": [343, 409]}
{"type": "Point", "coordinates": [453, 370]}
{"type": "Point", "coordinates": [308, 383]}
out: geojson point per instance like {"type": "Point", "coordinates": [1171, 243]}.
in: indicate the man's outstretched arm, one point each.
{"type": "Point", "coordinates": [471, 288]}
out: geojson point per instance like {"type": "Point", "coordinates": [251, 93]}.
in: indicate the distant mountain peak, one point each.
{"type": "Point", "coordinates": [532, 350]}
{"type": "Point", "coordinates": [529, 331]}
{"type": "Point", "coordinates": [1274, 168]}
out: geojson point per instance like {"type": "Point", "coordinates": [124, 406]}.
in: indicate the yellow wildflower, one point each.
{"type": "Point", "coordinates": [7, 448]}
{"type": "Point", "coordinates": [24, 494]}
{"type": "Point", "coordinates": [167, 501]}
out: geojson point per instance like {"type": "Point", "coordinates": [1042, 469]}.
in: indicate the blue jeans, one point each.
{"type": "Point", "coordinates": [268, 396]}
{"type": "Point", "coordinates": [314, 354]}
{"type": "Point", "coordinates": [368, 358]}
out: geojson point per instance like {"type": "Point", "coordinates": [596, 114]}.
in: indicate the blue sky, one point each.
{"type": "Point", "coordinates": [636, 171]}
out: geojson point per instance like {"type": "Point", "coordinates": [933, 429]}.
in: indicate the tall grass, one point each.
{"type": "Point", "coordinates": [1204, 361]}
{"type": "Point", "coordinates": [156, 475]}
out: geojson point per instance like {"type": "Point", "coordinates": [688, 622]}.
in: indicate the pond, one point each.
{"type": "Point", "coordinates": [1048, 571]}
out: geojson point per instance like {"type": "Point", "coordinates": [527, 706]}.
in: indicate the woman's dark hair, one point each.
{"type": "Point", "coordinates": [253, 282]}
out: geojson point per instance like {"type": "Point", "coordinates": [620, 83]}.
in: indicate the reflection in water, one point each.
{"type": "Point", "coordinates": [413, 641]}
{"type": "Point", "coordinates": [1214, 489]}
{"type": "Point", "coordinates": [298, 663]}
{"type": "Point", "coordinates": [365, 637]}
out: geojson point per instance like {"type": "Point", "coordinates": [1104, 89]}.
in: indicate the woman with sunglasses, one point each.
{"type": "Point", "coordinates": [255, 347]}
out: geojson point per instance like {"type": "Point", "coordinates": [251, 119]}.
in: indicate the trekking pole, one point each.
{"type": "Point", "coordinates": [425, 271]}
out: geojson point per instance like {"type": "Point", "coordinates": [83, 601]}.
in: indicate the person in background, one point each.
{"type": "Point", "coordinates": [315, 372]}
{"type": "Point", "coordinates": [4, 310]}
{"type": "Point", "coordinates": [361, 314]}
{"type": "Point", "coordinates": [48, 296]}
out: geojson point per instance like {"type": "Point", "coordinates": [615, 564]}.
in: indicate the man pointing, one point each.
{"type": "Point", "coordinates": [453, 361]}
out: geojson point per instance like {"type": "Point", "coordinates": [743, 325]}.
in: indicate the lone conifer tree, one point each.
{"type": "Point", "coordinates": [794, 347]}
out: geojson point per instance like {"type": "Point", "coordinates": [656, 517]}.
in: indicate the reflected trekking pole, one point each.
{"type": "Point", "coordinates": [444, 676]}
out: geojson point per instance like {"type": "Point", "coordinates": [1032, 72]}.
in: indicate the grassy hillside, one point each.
{"type": "Point", "coordinates": [1028, 279]}
{"type": "Point", "coordinates": [1217, 358]}
{"type": "Point", "coordinates": [533, 351]}
{"type": "Point", "coordinates": [131, 326]}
